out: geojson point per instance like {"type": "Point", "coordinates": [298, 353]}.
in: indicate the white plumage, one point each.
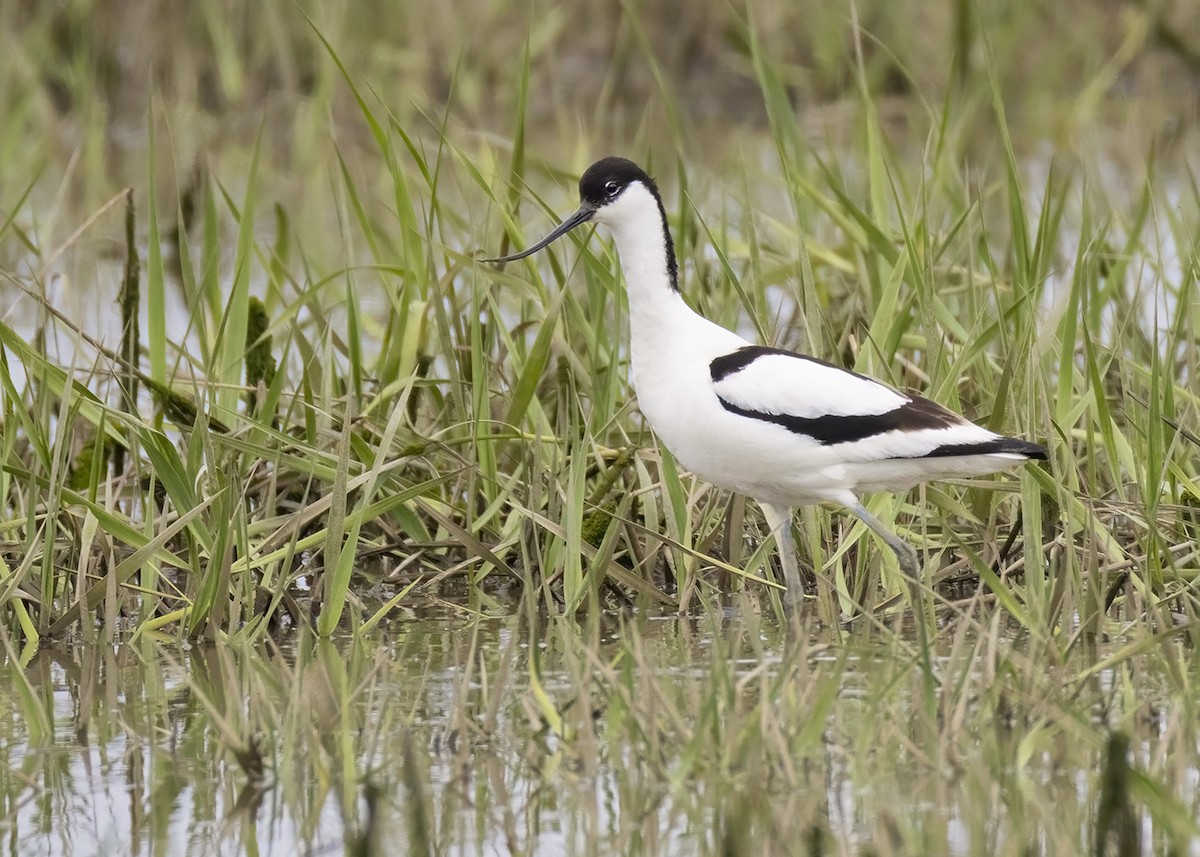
{"type": "Point", "coordinates": [787, 384]}
{"type": "Point", "coordinates": [780, 427]}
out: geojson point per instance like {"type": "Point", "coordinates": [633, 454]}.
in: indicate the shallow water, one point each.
{"type": "Point", "coordinates": [452, 734]}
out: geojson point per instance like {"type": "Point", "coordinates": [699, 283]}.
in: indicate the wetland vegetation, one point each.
{"type": "Point", "coordinates": [318, 536]}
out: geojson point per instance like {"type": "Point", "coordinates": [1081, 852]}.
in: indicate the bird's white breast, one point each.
{"type": "Point", "coordinates": [671, 377]}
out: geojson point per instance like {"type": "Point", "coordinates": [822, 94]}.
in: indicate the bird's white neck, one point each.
{"type": "Point", "coordinates": [647, 261]}
{"type": "Point", "coordinates": [664, 332]}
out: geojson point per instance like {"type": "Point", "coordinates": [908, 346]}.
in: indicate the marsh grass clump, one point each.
{"type": "Point", "coordinates": [412, 405]}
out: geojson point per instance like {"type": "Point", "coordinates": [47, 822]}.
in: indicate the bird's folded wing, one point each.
{"type": "Point", "coordinates": [780, 382]}
{"type": "Point", "coordinates": [831, 406]}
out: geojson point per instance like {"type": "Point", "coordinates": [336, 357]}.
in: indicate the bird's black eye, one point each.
{"type": "Point", "coordinates": [611, 188]}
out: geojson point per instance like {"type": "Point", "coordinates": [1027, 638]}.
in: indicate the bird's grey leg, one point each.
{"type": "Point", "coordinates": [907, 557]}
{"type": "Point", "coordinates": [779, 519]}
{"type": "Point", "coordinates": [911, 568]}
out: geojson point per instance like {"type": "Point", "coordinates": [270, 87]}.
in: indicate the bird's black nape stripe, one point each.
{"type": "Point", "coordinates": [668, 241]}
{"type": "Point", "coordinates": [833, 429]}
{"type": "Point", "coordinates": [1010, 445]}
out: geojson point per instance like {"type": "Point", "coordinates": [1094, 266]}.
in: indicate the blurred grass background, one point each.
{"type": "Point", "coordinates": [81, 78]}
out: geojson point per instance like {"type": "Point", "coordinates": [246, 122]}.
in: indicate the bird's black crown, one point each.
{"type": "Point", "coordinates": [605, 179]}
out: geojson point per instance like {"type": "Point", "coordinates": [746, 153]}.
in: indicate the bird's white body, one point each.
{"type": "Point", "coordinates": [672, 348]}
{"type": "Point", "coordinates": [780, 427]}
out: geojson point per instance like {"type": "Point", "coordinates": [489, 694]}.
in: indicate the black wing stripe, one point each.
{"type": "Point", "coordinates": [832, 429]}
{"type": "Point", "coordinates": [1010, 445]}
{"type": "Point", "coordinates": [735, 361]}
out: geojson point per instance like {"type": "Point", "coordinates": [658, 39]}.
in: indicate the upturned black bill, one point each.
{"type": "Point", "coordinates": [581, 216]}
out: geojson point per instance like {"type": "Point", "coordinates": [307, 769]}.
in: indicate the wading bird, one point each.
{"type": "Point", "coordinates": [783, 428]}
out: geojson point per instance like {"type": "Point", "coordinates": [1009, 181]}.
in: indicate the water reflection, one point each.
{"type": "Point", "coordinates": [445, 733]}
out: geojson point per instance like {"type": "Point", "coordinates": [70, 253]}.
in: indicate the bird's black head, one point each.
{"type": "Point", "coordinates": [602, 184]}
{"type": "Point", "coordinates": [604, 181]}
